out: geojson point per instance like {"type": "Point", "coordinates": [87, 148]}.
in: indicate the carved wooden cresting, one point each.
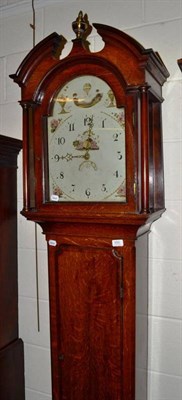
{"type": "Point", "coordinates": [93, 244]}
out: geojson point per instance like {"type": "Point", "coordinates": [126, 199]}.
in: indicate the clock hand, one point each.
{"type": "Point", "coordinates": [69, 156]}
{"type": "Point", "coordinates": [84, 144]}
{"type": "Point", "coordinates": [86, 163]}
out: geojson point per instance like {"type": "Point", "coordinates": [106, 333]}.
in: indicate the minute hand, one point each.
{"type": "Point", "coordinates": [69, 157]}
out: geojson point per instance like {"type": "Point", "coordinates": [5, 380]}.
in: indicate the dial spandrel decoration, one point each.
{"type": "Point", "coordinates": [86, 143]}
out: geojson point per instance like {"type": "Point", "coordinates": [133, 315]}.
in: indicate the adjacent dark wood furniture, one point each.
{"type": "Point", "coordinates": [11, 347]}
{"type": "Point", "coordinates": [92, 279]}
{"type": "Point", "coordinates": [180, 63]}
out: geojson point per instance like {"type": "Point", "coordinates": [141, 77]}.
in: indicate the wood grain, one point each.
{"type": "Point", "coordinates": [90, 316]}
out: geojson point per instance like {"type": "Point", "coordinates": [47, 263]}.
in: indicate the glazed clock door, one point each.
{"type": "Point", "coordinates": [89, 315]}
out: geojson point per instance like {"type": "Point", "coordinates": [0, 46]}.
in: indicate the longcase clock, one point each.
{"type": "Point", "coordinates": [93, 180]}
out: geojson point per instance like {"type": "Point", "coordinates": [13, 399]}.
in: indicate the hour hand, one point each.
{"type": "Point", "coordinates": [69, 156]}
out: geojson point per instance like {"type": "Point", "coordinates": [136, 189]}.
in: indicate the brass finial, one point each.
{"type": "Point", "coordinates": [81, 26]}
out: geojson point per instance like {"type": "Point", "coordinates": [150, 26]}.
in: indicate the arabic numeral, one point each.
{"type": "Point", "coordinates": [115, 137]}
{"type": "Point", "coordinates": [103, 188]}
{"type": "Point", "coordinates": [56, 157]}
{"type": "Point", "coordinates": [88, 121]}
{"type": "Point", "coordinates": [119, 155]}
{"type": "Point", "coordinates": [116, 173]}
{"type": "Point", "coordinates": [61, 140]}
{"type": "Point", "coordinates": [71, 127]}
{"type": "Point", "coordinates": [61, 175]}
{"type": "Point", "coordinates": [103, 123]}
{"type": "Point", "coordinates": [88, 192]}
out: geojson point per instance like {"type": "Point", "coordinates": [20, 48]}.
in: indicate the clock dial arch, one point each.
{"type": "Point", "coordinates": [61, 73]}
{"type": "Point", "coordinates": [86, 143]}
{"type": "Point", "coordinates": [125, 99]}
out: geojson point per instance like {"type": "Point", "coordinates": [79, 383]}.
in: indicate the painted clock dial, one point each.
{"type": "Point", "coordinates": [86, 143]}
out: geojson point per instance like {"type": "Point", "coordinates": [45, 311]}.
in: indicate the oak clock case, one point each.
{"type": "Point", "coordinates": [93, 180]}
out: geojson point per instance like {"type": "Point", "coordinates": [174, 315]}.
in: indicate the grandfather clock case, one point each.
{"type": "Point", "coordinates": [96, 223]}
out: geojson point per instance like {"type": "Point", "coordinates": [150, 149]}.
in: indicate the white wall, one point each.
{"type": "Point", "coordinates": [156, 24]}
